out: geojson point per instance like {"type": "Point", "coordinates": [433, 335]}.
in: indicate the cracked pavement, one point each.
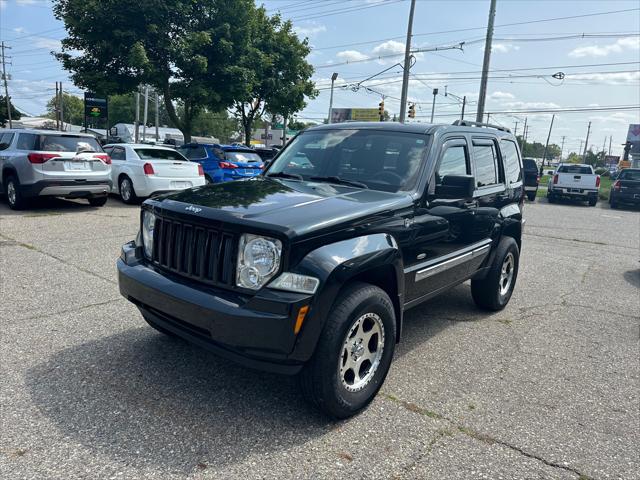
{"type": "Point", "coordinates": [547, 388]}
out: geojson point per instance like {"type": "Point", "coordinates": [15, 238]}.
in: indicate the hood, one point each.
{"type": "Point", "coordinates": [293, 208]}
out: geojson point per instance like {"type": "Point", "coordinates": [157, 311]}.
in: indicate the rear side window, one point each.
{"type": "Point", "coordinates": [486, 165]}
{"type": "Point", "coordinates": [454, 162]}
{"type": "Point", "coordinates": [26, 141]}
{"type": "Point", "coordinates": [579, 169]}
{"type": "Point", "coordinates": [512, 161]}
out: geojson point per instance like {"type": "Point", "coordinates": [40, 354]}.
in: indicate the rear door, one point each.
{"type": "Point", "coordinates": [167, 163]}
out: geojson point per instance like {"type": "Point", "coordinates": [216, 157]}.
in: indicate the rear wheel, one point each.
{"type": "Point", "coordinates": [127, 192]}
{"type": "Point", "coordinates": [531, 196]}
{"type": "Point", "coordinates": [353, 354]}
{"type": "Point", "coordinates": [14, 196]}
{"type": "Point", "coordinates": [593, 201]}
{"type": "Point", "coordinates": [613, 203]}
{"type": "Point", "coordinates": [494, 291]}
{"type": "Point", "coordinates": [98, 201]}
{"type": "Point", "coordinates": [207, 179]}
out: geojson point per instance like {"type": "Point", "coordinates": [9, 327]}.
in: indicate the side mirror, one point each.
{"type": "Point", "coordinates": [113, 131]}
{"type": "Point", "coordinates": [456, 186]}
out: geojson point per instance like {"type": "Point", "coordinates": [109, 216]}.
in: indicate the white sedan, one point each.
{"type": "Point", "coordinates": [140, 170]}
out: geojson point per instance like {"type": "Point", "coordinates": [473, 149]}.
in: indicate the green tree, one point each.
{"type": "Point", "coordinates": [187, 50]}
{"type": "Point", "coordinates": [574, 158]}
{"type": "Point", "coordinates": [4, 117]}
{"type": "Point", "coordinates": [72, 109]}
{"type": "Point", "coordinates": [279, 79]}
{"type": "Point", "coordinates": [216, 124]}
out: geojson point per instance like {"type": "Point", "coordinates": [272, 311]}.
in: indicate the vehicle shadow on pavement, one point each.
{"type": "Point", "coordinates": [153, 401]}
{"type": "Point", "coordinates": [633, 277]}
{"type": "Point", "coordinates": [58, 206]}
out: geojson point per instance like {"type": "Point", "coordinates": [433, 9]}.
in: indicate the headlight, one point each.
{"type": "Point", "coordinates": [258, 260]}
{"type": "Point", "coordinates": [148, 224]}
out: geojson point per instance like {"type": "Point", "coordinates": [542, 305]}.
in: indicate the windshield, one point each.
{"type": "Point", "coordinates": [159, 154]}
{"type": "Point", "coordinates": [381, 160]}
{"type": "Point", "coordinates": [68, 143]}
{"type": "Point", "coordinates": [630, 175]}
{"type": "Point", "coordinates": [243, 157]}
{"type": "Point", "coordinates": [575, 169]}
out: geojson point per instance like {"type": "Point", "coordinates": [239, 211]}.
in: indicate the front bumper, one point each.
{"type": "Point", "coordinates": [67, 188]}
{"type": "Point", "coordinates": [256, 331]}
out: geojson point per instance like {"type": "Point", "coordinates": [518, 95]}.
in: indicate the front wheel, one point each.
{"type": "Point", "coordinates": [14, 196]}
{"type": "Point", "coordinates": [353, 354]}
{"type": "Point", "coordinates": [493, 292]}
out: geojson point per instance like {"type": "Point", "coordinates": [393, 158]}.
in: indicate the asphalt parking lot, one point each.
{"type": "Point", "coordinates": [547, 388]}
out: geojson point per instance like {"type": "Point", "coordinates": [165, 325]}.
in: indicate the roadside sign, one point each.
{"type": "Point", "coordinates": [339, 115]}
{"type": "Point", "coordinates": [95, 107]}
{"type": "Point", "coordinates": [633, 135]}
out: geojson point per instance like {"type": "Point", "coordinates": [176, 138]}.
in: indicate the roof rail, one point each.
{"type": "Point", "coordinates": [469, 123]}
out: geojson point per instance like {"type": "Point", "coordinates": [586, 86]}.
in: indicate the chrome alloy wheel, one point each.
{"type": "Point", "coordinates": [11, 193]}
{"type": "Point", "coordinates": [126, 189]}
{"type": "Point", "coordinates": [506, 273]}
{"type": "Point", "coordinates": [361, 352]}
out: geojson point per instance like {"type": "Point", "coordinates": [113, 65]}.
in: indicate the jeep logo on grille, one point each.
{"type": "Point", "coordinates": [193, 209]}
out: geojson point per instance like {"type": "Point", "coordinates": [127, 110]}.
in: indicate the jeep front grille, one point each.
{"type": "Point", "coordinates": [194, 252]}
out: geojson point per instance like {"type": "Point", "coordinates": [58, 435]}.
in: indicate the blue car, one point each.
{"type": "Point", "coordinates": [223, 163]}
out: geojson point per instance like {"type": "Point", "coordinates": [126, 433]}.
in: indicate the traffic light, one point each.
{"type": "Point", "coordinates": [381, 110]}
{"type": "Point", "coordinates": [412, 110]}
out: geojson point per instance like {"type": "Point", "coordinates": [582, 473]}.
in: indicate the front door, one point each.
{"type": "Point", "coordinates": [443, 240]}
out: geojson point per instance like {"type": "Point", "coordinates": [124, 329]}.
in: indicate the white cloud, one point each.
{"type": "Point", "coordinates": [619, 78]}
{"type": "Point", "coordinates": [626, 43]}
{"type": "Point", "coordinates": [504, 47]}
{"type": "Point", "coordinates": [536, 105]}
{"type": "Point", "coordinates": [26, 2]}
{"type": "Point", "coordinates": [351, 55]}
{"type": "Point", "coordinates": [20, 30]}
{"type": "Point", "coordinates": [389, 48]}
{"type": "Point", "coordinates": [309, 29]}
{"type": "Point", "coordinates": [48, 43]}
{"type": "Point", "coordinates": [3, 3]}
{"type": "Point", "coordinates": [501, 96]}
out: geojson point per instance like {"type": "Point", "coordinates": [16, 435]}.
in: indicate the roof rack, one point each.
{"type": "Point", "coordinates": [469, 123]}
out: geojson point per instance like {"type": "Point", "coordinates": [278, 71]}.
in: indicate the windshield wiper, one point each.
{"type": "Point", "coordinates": [342, 181]}
{"type": "Point", "coordinates": [285, 175]}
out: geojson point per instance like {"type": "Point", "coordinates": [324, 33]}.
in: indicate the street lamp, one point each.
{"type": "Point", "coordinates": [333, 79]}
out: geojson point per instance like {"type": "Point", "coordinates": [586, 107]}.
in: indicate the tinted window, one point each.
{"type": "Point", "coordinates": [453, 162]}
{"type": "Point", "coordinates": [68, 143]}
{"type": "Point", "coordinates": [580, 169]}
{"type": "Point", "coordinates": [26, 141]}
{"type": "Point", "coordinates": [630, 175]}
{"type": "Point", "coordinates": [6, 139]}
{"type": "Point", "coordinates": [530, 165]}
{"type": "Point", "coordinates": [193, 152]}
{"type": "Point", "coordinates": [388, 161]}
{"type": "Point", "coordinates": [485, 160]}
{"type": "Point", "coordinates": [158, 154]}
{"type": "Point", "coordinates": [243, 157]}
{"type": "Point", "coordinates": [118, 154]}
{"type": "Point", "coordinates": [512, 161]}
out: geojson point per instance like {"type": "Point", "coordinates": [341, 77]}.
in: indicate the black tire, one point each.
{"type": "Point", "coordinates": [489, 293]}
{"type": "Point", "coordinates": [551, 199]}
{"type": "Point", "coordinates": [98, 201]}
{"type": "Point", "coordinates": [160, 329]}
{"type": "Point", "coordinates": [129, 197]}
{"type": "Point", "coordinates": [207, 180]}
{"type": "Point", "coordinates": [613, 203]}
{"type": "Point", "coordinates": [592, 202]}
{"type": "Point", "coordinates": [15, 199]}
{"type": "Point", "coordinates": [323, 383]}
{"type": "Point", "coordinates": [531, 196]}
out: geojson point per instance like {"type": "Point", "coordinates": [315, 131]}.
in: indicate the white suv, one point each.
{"type": "Point", "coordinates": [40, 163]}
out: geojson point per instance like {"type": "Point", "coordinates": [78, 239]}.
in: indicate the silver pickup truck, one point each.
{"type": "Point", "coordinates": [574, 181]}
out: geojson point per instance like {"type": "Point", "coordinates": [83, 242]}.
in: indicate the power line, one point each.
{"type": "Point", "coordinates": [329, 13]}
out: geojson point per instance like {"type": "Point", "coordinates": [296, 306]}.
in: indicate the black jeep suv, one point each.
{"type": "Point", "coordinates": [308, 268]}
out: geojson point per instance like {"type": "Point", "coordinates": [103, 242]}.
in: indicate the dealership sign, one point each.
{"type": "Point", "coordinates": [339, 115]}
{"type": "Point", "coordinates": [94, 107]}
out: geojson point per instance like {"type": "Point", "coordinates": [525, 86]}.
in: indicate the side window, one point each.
{"type": "Point", "coordinates": [486, 162]}
{"type": "Point", "coordinates": [512, 161]}
{"type": "Point", "coordinates": [5, 140]}
{"type": "Point", "coordinates": [118, 154]}
{"type": "Point", "coordinates": [26, 141]}
{"type": "Point", "coordinates": [453, 162]}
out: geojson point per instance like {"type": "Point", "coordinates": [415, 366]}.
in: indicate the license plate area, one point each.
{"type": "Point", "coordinates": [181, 185]}
{"type": "Point", "coordinates": [73, 166]}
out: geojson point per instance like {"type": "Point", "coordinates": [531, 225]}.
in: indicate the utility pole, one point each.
{"type": "Point", "coordinates": [157, 117]}
{"type": "Point", "coordinates": [515, 130]}
{"type": "Point", "coordinates": [433, 105]}
{"type": "Point", "coordinates": [464, 103]}
{"type": "Point", "coordinates": [488, 117]}
{"type": "Point", "coordinates": [407, 60]}
{"type": "Point", "coordinates": [546, 146]}
{"type": "Point", "coordinates": [61, 108]}
{"type": "Point", "coordinates": [610, 140]}
{"type": "Point", "coordinates": [333, 79]}
{"type": "Point", "coordinates": [562, 147]}
{"type": "Point", "coordinates": [6, 88]}
{"type": "Point", "coordinates": [146, 110]}
{"type": "Point", "coordinates": [56, 107]}
{"type": "Point", "coordinates": [524, 134]}
{"type": "Point", "coordinates": [604, 151]}
{"type": "Point", "coordinates": [137, 122]}
{"type": "Point", "coordinates": [586, 144]}
{"type": "Point", "coordinates": [485, 64]}
{"type": "Point", "coordinates": [580, 149]}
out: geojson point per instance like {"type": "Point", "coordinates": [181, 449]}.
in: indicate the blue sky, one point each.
{"type": "Point", "coordinates": [356, 30]}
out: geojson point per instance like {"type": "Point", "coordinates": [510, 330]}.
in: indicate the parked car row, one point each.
{"type": "Point", "coordinates": [574, 181]}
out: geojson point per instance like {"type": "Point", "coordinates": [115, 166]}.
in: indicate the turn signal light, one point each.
{"type": "Point", "coordinates": [41, 157]}
{"type": "Point", "coordinates": [104, 157]}
{"type": "Point", "coordinates": [148, 169]}
{"type": "Point", "coordinates": [617, 186]}
{"type": "Point", "coordinates": [301, 314]}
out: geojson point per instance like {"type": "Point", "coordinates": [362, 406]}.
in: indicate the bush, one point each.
{"type": "Point", "coordinates": [601, 170]}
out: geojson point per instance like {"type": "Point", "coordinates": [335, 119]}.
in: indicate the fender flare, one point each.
{"type": "Point", "coordinates": [335, 265]}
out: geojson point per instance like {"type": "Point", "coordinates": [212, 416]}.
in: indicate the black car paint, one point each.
{"type": "Point", "coordinates": [333, 232]}
{"type": "Point", "coordinates": [627, 190]}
